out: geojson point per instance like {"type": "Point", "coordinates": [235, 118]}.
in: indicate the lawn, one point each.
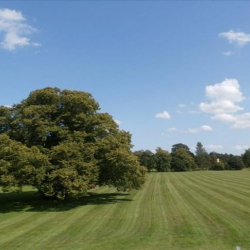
{"type": "Point", "coordinates": [191, 210]}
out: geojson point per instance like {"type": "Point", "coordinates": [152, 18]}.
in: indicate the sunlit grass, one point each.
{"type": "Point", "coordinates": [192, 210]}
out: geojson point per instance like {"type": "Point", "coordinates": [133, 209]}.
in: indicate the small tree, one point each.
{"type": "Point", "coordinates": [235, 163]}
{"type": "Point", "coordinates": [246, 158]}
{"type": "Point", "coordinates": [202, 157]}
{"type": "Point", "coordinates": [146, 158]}
{"type": "Point", "coordinates": [182, 160]}
{"type": "Point", "coordinates": [162, 160]}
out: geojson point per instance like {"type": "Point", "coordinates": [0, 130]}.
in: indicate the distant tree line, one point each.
{"type": "Point", "coordinates": [182, 159]}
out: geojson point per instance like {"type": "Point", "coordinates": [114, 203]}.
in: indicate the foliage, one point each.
{"type": "Point", "coordinates": [119, 171]}
{"type": "Point", "coordinates": [163, 160]}
{"type": "Point", "coordinates": [72, 170]}
{"type": "Point", "coordinates": [146, 158]}
{"type": "Point", "coordinates": [182, 160]}
{"type": "Point", "coordinates": [83, 146]}
{"type": "Point", "coordinates": [246, 158]}
{"type": "Point", "coordinates": [218, 166]}
{"type": "Point", "coordinates": [177, 146]}
{"type": "Point", "coordinates": [202, 158]}
{"type": "Point", "coordinates": [235, 163]}
{"type": "Point", "coordinates": [229, 161]}
{"type": "Point", "coordinates": [200, 149]}
{"type": "Point", "coordinates": [222, 157]}
{"type": "Point", "coordinates": [19, 165]}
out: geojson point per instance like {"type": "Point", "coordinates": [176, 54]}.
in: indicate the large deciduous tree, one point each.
{"type": "Point", "coordinates": [82, 145]}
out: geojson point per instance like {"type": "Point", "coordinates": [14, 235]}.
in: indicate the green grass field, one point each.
{"type": "Point", "coordinates": [192, 210]}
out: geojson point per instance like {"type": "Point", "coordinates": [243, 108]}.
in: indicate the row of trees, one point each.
{"type": "Point", "coordinates": [182, 159]}
{"type": "Point", "coordinates": [58, 141]}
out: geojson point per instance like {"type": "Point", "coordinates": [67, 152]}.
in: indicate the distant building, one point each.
{"type": "Point", "coordinates": [218, 160]}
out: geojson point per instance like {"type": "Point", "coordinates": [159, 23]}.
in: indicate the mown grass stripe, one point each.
{"type": "Point", "coordinates": [232, 224]}
{"type": "Point", "coordinates": [203, 210]}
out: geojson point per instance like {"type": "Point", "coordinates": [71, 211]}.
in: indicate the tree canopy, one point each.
{"type": "Point", "coordinates": [182, 160]}
{"type": "Point", "coordinates": [235, 163]}
{"type": "Point", "coordinates": [178, 146]}
{"type": "Point", "coordinates": [19, 165]}
{"type": "Point", "coordinates": [75, 145]}
{"type": "Point", "coordinates": [163, 160]}
{"type": "Point", "coordinates": [246, 158]}
{"type": "Point", "coordinates": [202, 158]}
{"type": "Point", "coordinates": [146, 158]}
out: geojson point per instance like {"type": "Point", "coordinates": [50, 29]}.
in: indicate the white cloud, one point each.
{"type": "Point", "coordinates": [229, 89]}
{"type": "Point", "coordinates": [241, 147]}
{"type": "Point", "coordinates": [173, 129]}
{"type": "Point", "coordinates": [224, 97]}
{"type": "Point", "coordinates": [15, 30]}
{"type": "Point", "coordinates": [228, 53]}
{"type": "Point", "coordinates": [223, 104]}
{"type": "Point", "coordinates": [224, 118]}
{"type": "Point", "coordinates": [239, 38]}
{"type": "Point", "coordinates": [11, 15]}
{"type": "Point", "coordinates": [220, 107]}
{"type": "Point", "coordinates": [204, 128]}
{"type": "Point", "coordinates": [242, 121]}
{"type": "Point", "coordinates": [118, 122]}
{"type": "Point", "coordinates": [214, 147]}
{"type": "Point", "coordinates": [163, 115]}
{"type": "Point", "coordinates": [181, 105]}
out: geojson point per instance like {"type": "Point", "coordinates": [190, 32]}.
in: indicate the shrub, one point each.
{"type": "Point", "coordinates": [218, 166]}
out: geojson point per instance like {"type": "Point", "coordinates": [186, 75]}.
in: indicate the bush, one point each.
{"type": "Point", "coordinates": [235, 163]}
{"type": "Point", "coordinates": [218, 166]}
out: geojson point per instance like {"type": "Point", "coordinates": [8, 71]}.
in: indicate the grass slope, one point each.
{"type": "Point", "coordinates": [194, 210]}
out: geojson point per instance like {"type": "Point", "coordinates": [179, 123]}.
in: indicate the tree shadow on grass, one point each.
{"type": "Point", "coordinates": [32, 202]}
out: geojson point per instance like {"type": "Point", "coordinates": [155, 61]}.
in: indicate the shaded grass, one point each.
{"type": "Point", "coordinates": [31, 201]}
{"type": "Point", "coordinates": [194, 210]}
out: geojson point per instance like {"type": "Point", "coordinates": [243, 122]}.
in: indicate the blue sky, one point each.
{"type": "Point", "coordinates": [170, 72]}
